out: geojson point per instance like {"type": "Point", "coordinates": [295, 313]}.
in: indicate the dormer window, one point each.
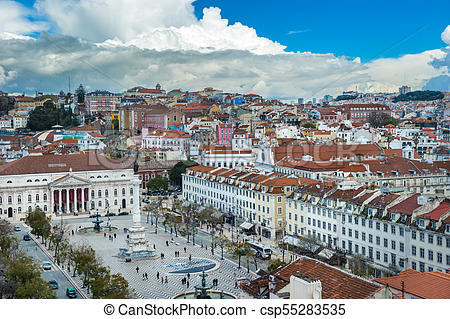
{"type": "Point", "coordinates": [413, 172]}
{"type": "Point", "coordinates": [395, 173]}
{"type": "Point", "coordinates": [421, 222]}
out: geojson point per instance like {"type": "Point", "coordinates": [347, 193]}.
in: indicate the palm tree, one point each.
{"type": "Point", "coordinates": [237, 250]}
{"type": "Point", "coordinates": [223, 242]}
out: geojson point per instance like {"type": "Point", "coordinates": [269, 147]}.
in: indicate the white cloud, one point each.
{"type": "Point", "coordinates": [14, 20]}
{"type": "Point", "coordinates": [445, 36]}
{"type": "Point", "coordinates": [161, 25]}
{"type": "Point", "coordinates": [116, 44]}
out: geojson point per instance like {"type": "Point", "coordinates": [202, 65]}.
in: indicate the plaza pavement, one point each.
{"type": "Point", "coordinates": [226, 274]}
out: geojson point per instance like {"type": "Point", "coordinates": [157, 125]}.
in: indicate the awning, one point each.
{"type": "Point", "coordinates": [246, 225]}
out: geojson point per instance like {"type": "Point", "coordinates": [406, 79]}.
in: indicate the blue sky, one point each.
{"type": "Point", "coordinates": [368, 29]}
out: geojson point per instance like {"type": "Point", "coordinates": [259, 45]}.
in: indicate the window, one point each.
{"type": "Point", "coordinates": [385, 228]}
{"type": "Point", "coordinates": [378, 255]}
{"type": "Point", "coordinates": [378, 240]}
{"type": "Point", "coordinates": [99, 203]}
{"type": "Point", "coordinates": [413, 234]}
{"type": "Point", "coordinates": [123, 191]}
{"type": "Point", "coordinates": [430, 255]}
{"type": "Point", "coordinates": [9, 199]}
{"type": "Point", "coordinates": [115, 191]}
{"type": "Point", "coordinates": [29, 199]}
{"type": "Point", "coordinates": [402, 247]}
{"type": "Point", "coordinates": [45, 197]}
{"type": "Point", "coordinates": [439, 240]}
{"type": "Point", "coordinates": [393, 229]}
{"type": "Point", "coordinates": [393, 244]}
{"type": "Point", "coordinates": [377, 226]}
{"type": "Point", "coordinates": [131, 191]}
{"type": "Point", "coordinates": [448, 260]}
{"type": "Point", "coordinates": [106, 193]}
{"type": "Point", "coordinates": [430, 238]}
{"type": "Point", "coordinates": [422, 253]}
{"type": "Point", "coordinates": [414, 265]}
{"type": "Point", "coordinates": [439, 258]}
{"type": "Point", "coordinates": [413, 250]}
{"type": "Point", "coordinates": [385, 257]}
{"type": "Point", "coordinates": [92, 194]}
{"type": "Point", "coordinates": [343, 230]}
{"type": "Point", "coordinates": [370, 238]}
{"type": "Point", "coordinates": [421, 266]}
{"type": "Point", "coordinates": [370, 224]}
{"type": "Point", "coordinates": [37, 197]}
{"type": "Point", "coordinates": [401, 231]}
{"type": "Point", "coordinates": [19, 199]}
{"type": "Point", "coordinates": [422, 236]}
{"type": "Point", "coordinates": [385, 242]}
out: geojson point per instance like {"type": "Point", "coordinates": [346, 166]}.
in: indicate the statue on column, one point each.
{"type": "Point", "coordinates": [138, 246]}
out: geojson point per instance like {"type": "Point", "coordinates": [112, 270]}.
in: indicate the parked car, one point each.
{"type": "Point", "coordinates": [71, 292]}
{"type": "Point", "coordinates": [123, 213]}
{"type": "Point", "coordinates": [17, 228]}
{"type": "Point", "coordinates": [26, 237]}
{"type": "Point", "coordinates": [47, 265]}
{"type": "Point", "coordinates": [110, 214]}
{"type": "Point", "coordinates": [95, 215]}
{"type": "Point", "coordinates": [53, 284]}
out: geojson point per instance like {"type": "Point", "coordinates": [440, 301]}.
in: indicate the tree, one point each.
{"type": "Point", "coordinates": [39, 223]}
{"type": "Point", "coordinates": [309, 125]}
{"type": "Point", "coordinates": [44, 117]}
{"type": "Point", "coordinates": [178, 169]}
{"type": "Point", "coordinates": [158, 183]}
{"type": "Point", "coordinates": [419, 96]}
{"type": "Point", "coordinates": [80, 93]}
{"type": "Point", "coordinates": [380, 119]}
{"type": "Point", "coordinates": [237, 250]}
{"type": "Point", "coordinates": [108, 286]}
{"type": "Point", "coordinates": [275, 264]}
{"type": "Point", "coordinates": [223, 242]}
{"type": "Point", "coordinates": [27, 277]}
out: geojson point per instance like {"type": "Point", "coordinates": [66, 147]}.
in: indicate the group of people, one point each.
{"type": "Point", "coordinates": [110, 237]}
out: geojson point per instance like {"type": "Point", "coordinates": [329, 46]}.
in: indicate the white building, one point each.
{"type": "Point", "coordinates": [74, 183]}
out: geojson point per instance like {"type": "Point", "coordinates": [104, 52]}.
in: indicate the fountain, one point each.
{"type": "Point", "coordinates": [203, 291]}
{"type": "Point", "coordinates": [97, 223]}
{"type": "Point", "coordinates": [97, 228]}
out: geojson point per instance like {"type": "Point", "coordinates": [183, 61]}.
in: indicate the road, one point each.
{"type": "Point", "coordinates": [32, 249]}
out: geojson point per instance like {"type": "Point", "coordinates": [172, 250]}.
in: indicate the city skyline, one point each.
{"type": "Point", "coordinates": [207, 43]}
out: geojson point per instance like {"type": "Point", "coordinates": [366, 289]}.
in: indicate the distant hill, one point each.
{"type": "Point", "coordinates": [420, 96]}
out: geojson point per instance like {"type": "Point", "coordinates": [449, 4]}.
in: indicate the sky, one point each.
{"type": "Point", "coordinates": [284, 49]}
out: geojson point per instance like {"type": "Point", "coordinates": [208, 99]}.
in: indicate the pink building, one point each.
{"type": "Point", "coordinates": [224, 134]}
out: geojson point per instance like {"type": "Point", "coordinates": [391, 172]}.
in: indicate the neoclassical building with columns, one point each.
{"type": "Point", "coordinates": [68, 184]}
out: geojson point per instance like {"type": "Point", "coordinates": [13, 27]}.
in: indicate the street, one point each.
{"type": "Point", "coordinates": [32, 249]}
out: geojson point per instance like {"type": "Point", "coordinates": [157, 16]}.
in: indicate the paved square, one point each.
{"type": "Point", "coordinates": [107, 249]}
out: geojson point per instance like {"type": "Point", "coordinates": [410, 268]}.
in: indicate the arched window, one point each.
{"type": "Point", "coordinates": [29, 199]}
{"type": "Point", "coordinates": [45, 197]}
{"type": "Point", "coordinates": [99, 176]}
{"type": "Point", "coordinates": [37, 197]}
{"type": "Point", "coordinates": [99, 193]}
{"type": "Point", "coordinates": [115, 191]}
{"type": "Point", "coordinates": [8, 182]}
{"type": "Point", "coordinates": [29, 208]}
{"type": "Point", "coordinates": [92, 193]}
{"type": "Point", "coordinates": [19, 210]}
{"type": "Point", "coordinates": [131, 201]}
{"type": "Point", "coordinates": [123, 191]}
{"type": "Point", "coordinates": [45, 208]}
{"type": "Point", "coordinates": [123, 175]}
{"type": "Point", "coordinates": [106, 193]}
{"type": "Point", "coordinates": [131, 191]}
{"type": "Point", "coordinates": [36, 180]}
{"type": "Point", "coordinates": [9, 199]}
{"type": "Point", "coordinates": [44, 180]}
{"type": "Point", "coordinates": [99, 203]}
{"type": "Point", "coordinates": [19, 199]}
{"type": "Point", "coordinates": [92, 205]}
{"type": "Point", "coordinates": [1, 200]}
{"type": "Point", "coordinates": [115, 202]}
{"type": "Point", "coordinates": [29, 181]}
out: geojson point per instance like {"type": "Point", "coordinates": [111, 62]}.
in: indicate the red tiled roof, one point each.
{"type": "Point", "coordinates": [427, 285]}
{"type": "Point", "coordinates": [407, 206]}
{"type": "Point", "coordinates": [61, 163]}
{"type": "Point", "coordinates": [439, 211]}
{"type": "Point", "coordinates": [336, 283]}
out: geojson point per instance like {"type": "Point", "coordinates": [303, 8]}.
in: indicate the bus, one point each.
{"type": "Point", "coordinates": [261, 251]}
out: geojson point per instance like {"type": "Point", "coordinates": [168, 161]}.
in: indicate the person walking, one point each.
{"type": "Point", "coordinates": [137, 269]}
{"type": "Point", "coordinates": [188, 276]}
{"type": "Point", "coordinates": [157, 275]}
{"type": "Point", "coordinates": [162, 279]}
{"type": "Point", "coordinates": [115, 235]}
{"type": "Point", "coordinates": [167, 280]}
{"type": "Point", "coordinates": [143, 276]}
{"type": "Point", "coordinates": [187, 284]}
{"type": "Point", "coordinates": [184, 249]}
